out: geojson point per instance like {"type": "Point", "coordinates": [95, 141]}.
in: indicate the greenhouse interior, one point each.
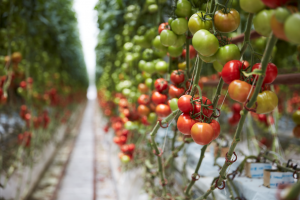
{"type": "Point", "coordinates": [150, 100]}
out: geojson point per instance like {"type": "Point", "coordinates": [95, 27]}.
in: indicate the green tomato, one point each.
{"type": "Point", "coordinates": [148, 54]}
{"type": "Point", "coordinates": [139, 78]}
{"type": "Point", "coordinates": [227, 53]}
{"type": "Point", "coordinates": [161, 66]}
{"type": "Point", "coordinates": [205, 43]}
{"type": "Point", "coordinates": [152, 8]}
{"type": "Point", "coordinates": [128, 46]}
{"type": "Point", "coordinates": [180, 41]}
{"type": "Point", "coordinates": [179, 26]}
{"type": "Point", "coordinates": [281, 14]}
{"type": "Point", "coordinates": [128, 125]}
{"type": "Point", "coordinates": [204, 6]}
{"type": "Point", "coordinates": [252, 6]}
{"type": "Point", "coordinates": [157, 44]}
{"type": "Point", "coordinates": [152, 117]}
{"type": "Point", "coordinates": [149, 67]}
{"type": "Point", "coordinates": [183, 9]}
{"type": "Point", "coordinates": [262, 22]}
{"type": "Point", "coordinates": [160, 53]}
{"type": "Point", "coordinates": [174, 51]}
{"type": "Point", "coordinates": [125, 159]}
{"type": "Point", "coordinates": [126, 92]}
{"type": "Point", "coordinates": [141, 41]}
{"type": "Point", "coordinates": [218, 67]}
{"type": "Point", "coordinates": [149, 2]}
{"type": "Point", "coordinates": [296, 117]}
{"type": "Point", "coordinates": [170, 20]}
{"type": "Point", "coordinates": [141, 30]}
{"type": "Point", "coordinates": [124, 66]}
{"type": "Point", "coordinates": [149, 82]}
{"type": "Point", "coordinates": [292, 28]}
{"type": "Point", "coordinates": [209, 59]}
{"type": "Point", "coordinates": [151, 33]}
{"type": "Point", "coordinates": [267, 101]}
{"type": "Point", "coordinates": [174, 104]}
{"type": "Point", "coordinates": [141, 65]}
{"type": "Point", "coordinates": [196, 23]}
{"type": "Point", "coordinates": [146, 75]}
{"type": "Point", "coordinates": [168, 38]}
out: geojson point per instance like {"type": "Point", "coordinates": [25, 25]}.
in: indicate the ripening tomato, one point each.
{"type": "Point", "coordinates": [158, 98]}
{"type": "Point", "coordinates": [267, 101]}
{"type": "Point", "coordinates": [296, 131]}
{"type": "Point", "coordinates": [196, 23]}
{"type": "Point", "coordinates": [274, 3]}
{"type": "Point", "coordinates": [177, 76]}
{"type": "Point", "coordinates": [179, 26]}
{"type": "Point", "coordinates": [216, 127]}
{"type": "Point", "coordinates": [232, 71]}
{"type": "Point", "coordinates": [292, 28]}
{"type": "Point", "coordinates": [202, 133]}
{"type": "Point", "coordinates": [239, 90]}
{"type": "Point", "coordinates": [205, 43]}
{"type": "Point", "coordinates": [296, 117]}
{"type": "Point", "coordinates": [227, 22]}
{"type": "Point", "coordinates": [144, 99]}
{"type": "Point", "coordinates": [183, 8]}
{"type": "Point", "coordinates": [227, 53]}
{"type": "Point", "coordinates": [278, 28]}
{"type": "Point", "coordinates": [252, 6]}
{"type": "Point", "coordinates": [161, 85]}
{"type": "Point", "coordinates": [236, 108]}
{"type": "Point", "coordinates": [163, 110]}
{"type": "Point", "coordinates": [163, 26]}
{"type": "Point", "coordinates": [184, 104]}
{"type": "Point", "coordinates": [175, 92]}
{"type": "Point", "coordinates": [168, 38]}
{"type": "Point", "coordinates": [185, 123]}
{"type": "Point", "coordinates": [193, 52]}
{"type": "Point", "coordinates": [271, 72]}
{"type": "Point", "coordinates": [207, 112]}
{"type": "Point", "coordinates": [143, 88]}
{"type": "Point", "coordinates": [262, 22]}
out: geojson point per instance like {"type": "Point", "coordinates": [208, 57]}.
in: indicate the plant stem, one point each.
{"type": "Point", "coordinates": [196, 76]}
{"type": "Point", "coordinates": [187, 192]}
{"type": "Point", "coordinates": [231, 196]}
{"type": "Point", "coordinates": [174, 153]}
{"type": "Point", "coordinates": [267, 55]}
{"type": "Point", "coordinates": [247, 33]}
{"type": "Point", "coordinates": [174, 138]}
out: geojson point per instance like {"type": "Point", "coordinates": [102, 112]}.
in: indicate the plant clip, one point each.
{"type": "Point", "coordinates": [223, 184]}
{"type": "Point", "coordinates": [232, 175]}
{"type": "Point", "coordinates": [161, 125]}
{"type": "Point", "coordinates": [297, 175]}
{"type": "Point", "coordinates": [250, 109]}
{"type": "Point", "coordinates": [219, 111]}
{"type": "Point", "coordinates": [230, 161]}
{"type": "Point", "coordinates": [289, 163]}
{"type": "Point", "coordinates": [195, 177]}
{"type": "Point", "coordinates": [164, 183]}
{"type": "Point", "coordinates": [158, 154]}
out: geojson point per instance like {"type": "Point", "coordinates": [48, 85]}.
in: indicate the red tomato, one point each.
{"type": "Point", "coordinates": [184, 104]}
{"type": "Point", "coordinates": [234, 119]}
{"type": "Point", "coordinates": [231, 71]}
{"type": "Point", "coordinates": [271, 72]}
{"type": "Point", "coordinates": [144, 99]}
{"type": "Point", "coordinates": [123, 140]}
{"type": "Point", "coordinates": [143, 88]}
{"type": "Point", "coordinates": [202, 133]}
{"type": "Point", "coordinates": [206, 111]}
{"type": "Point", "coordinates": [185, 123]}
{"type": "Point", "coordinates": [158, 98]}
{"type": "Point", "coordinates": [163, 110]}
{"type": "Point", "coordinates": [131, 147]}
{"type": "Point", "coordinates": [239, 90]}
{"type": "Point", "coordinates": [274, 3]}
{"type": "Point", "coordinates": [236, 108]}
{"type": "Point", "coordinates": [143, 110]}
{"type": "Point", "coordinates": [246, 64]}
{"type": "Point", "coordinates": [217, 128]}
{"type": "Point", "coordinates": [175, 92]}
{"type": "Point", "coordinates": [163, 26]}
{"type": "Point", "coordinates": [116, 140]}
{"type": "Point", "coordinates": [125, 132]}
{"type": "Point", "coordinates": [177, 76]}
{"type": "Point", "coordinates": [193, 52]}
{"type": "Point", "coordinates": [160, 84]}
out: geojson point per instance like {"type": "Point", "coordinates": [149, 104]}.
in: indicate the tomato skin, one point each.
{"type": "Point", "coordinates": [262, 23]}
{"type": "Point", "coordinates": [163, 26]}
{"type": "Point", "coordinates": [160, 84]}
{"type": "Point", "coordinates": [144, 99]}
{"type": "Point", "coordinates": [274, 3]}
{"type": "Point", "coordinates": [184, 104]}
{"type": "Point", "coordinates": [185, 123]}
{"type": "Point", "coordinates": [177, 76]}
{"type": "Point", "coordinates": [238, 90]}
{"type": "Point", "coordinates": [231, 71]}
{"type": "Point", "coordinates": [183, 9]}
{"type": "Point", "coordinates": [202, 133]}
{"type": "Point", "coordinates": [216, 127]}
{"type": "Point", "coordinates": [175, 92]}
{"type": "Point", "coordinates": [291, 29]}
{"type": "Point", "coordinates": [267, 101]}
{"type": "Point", "coordinates": [205, 43]}
{"type": "Point", "coordinates": [168, 38]}
{"type": "Point", "coordinates": [173, 103]}
{"type": "Point", "coordinates": [196, 23]}
{"type": "Point", "coordinates": [227, 22]}
{"type": "Point", "coordinates": [158, 98]}
{"type": "Point", "coordinates": [271, 72]}
{"type": "Point", "coordinates": [227, 53]}
{"type": "Point", "coordinates": [179, 26]}
{"type": "Point", "coordinates": [163, 110]}
{"type": "Point", "coordinates": [296, 131]}
{"type": "Point", "coordinates": [296, 117]}
{"type": "Point", "coordinates": [252, 6]}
